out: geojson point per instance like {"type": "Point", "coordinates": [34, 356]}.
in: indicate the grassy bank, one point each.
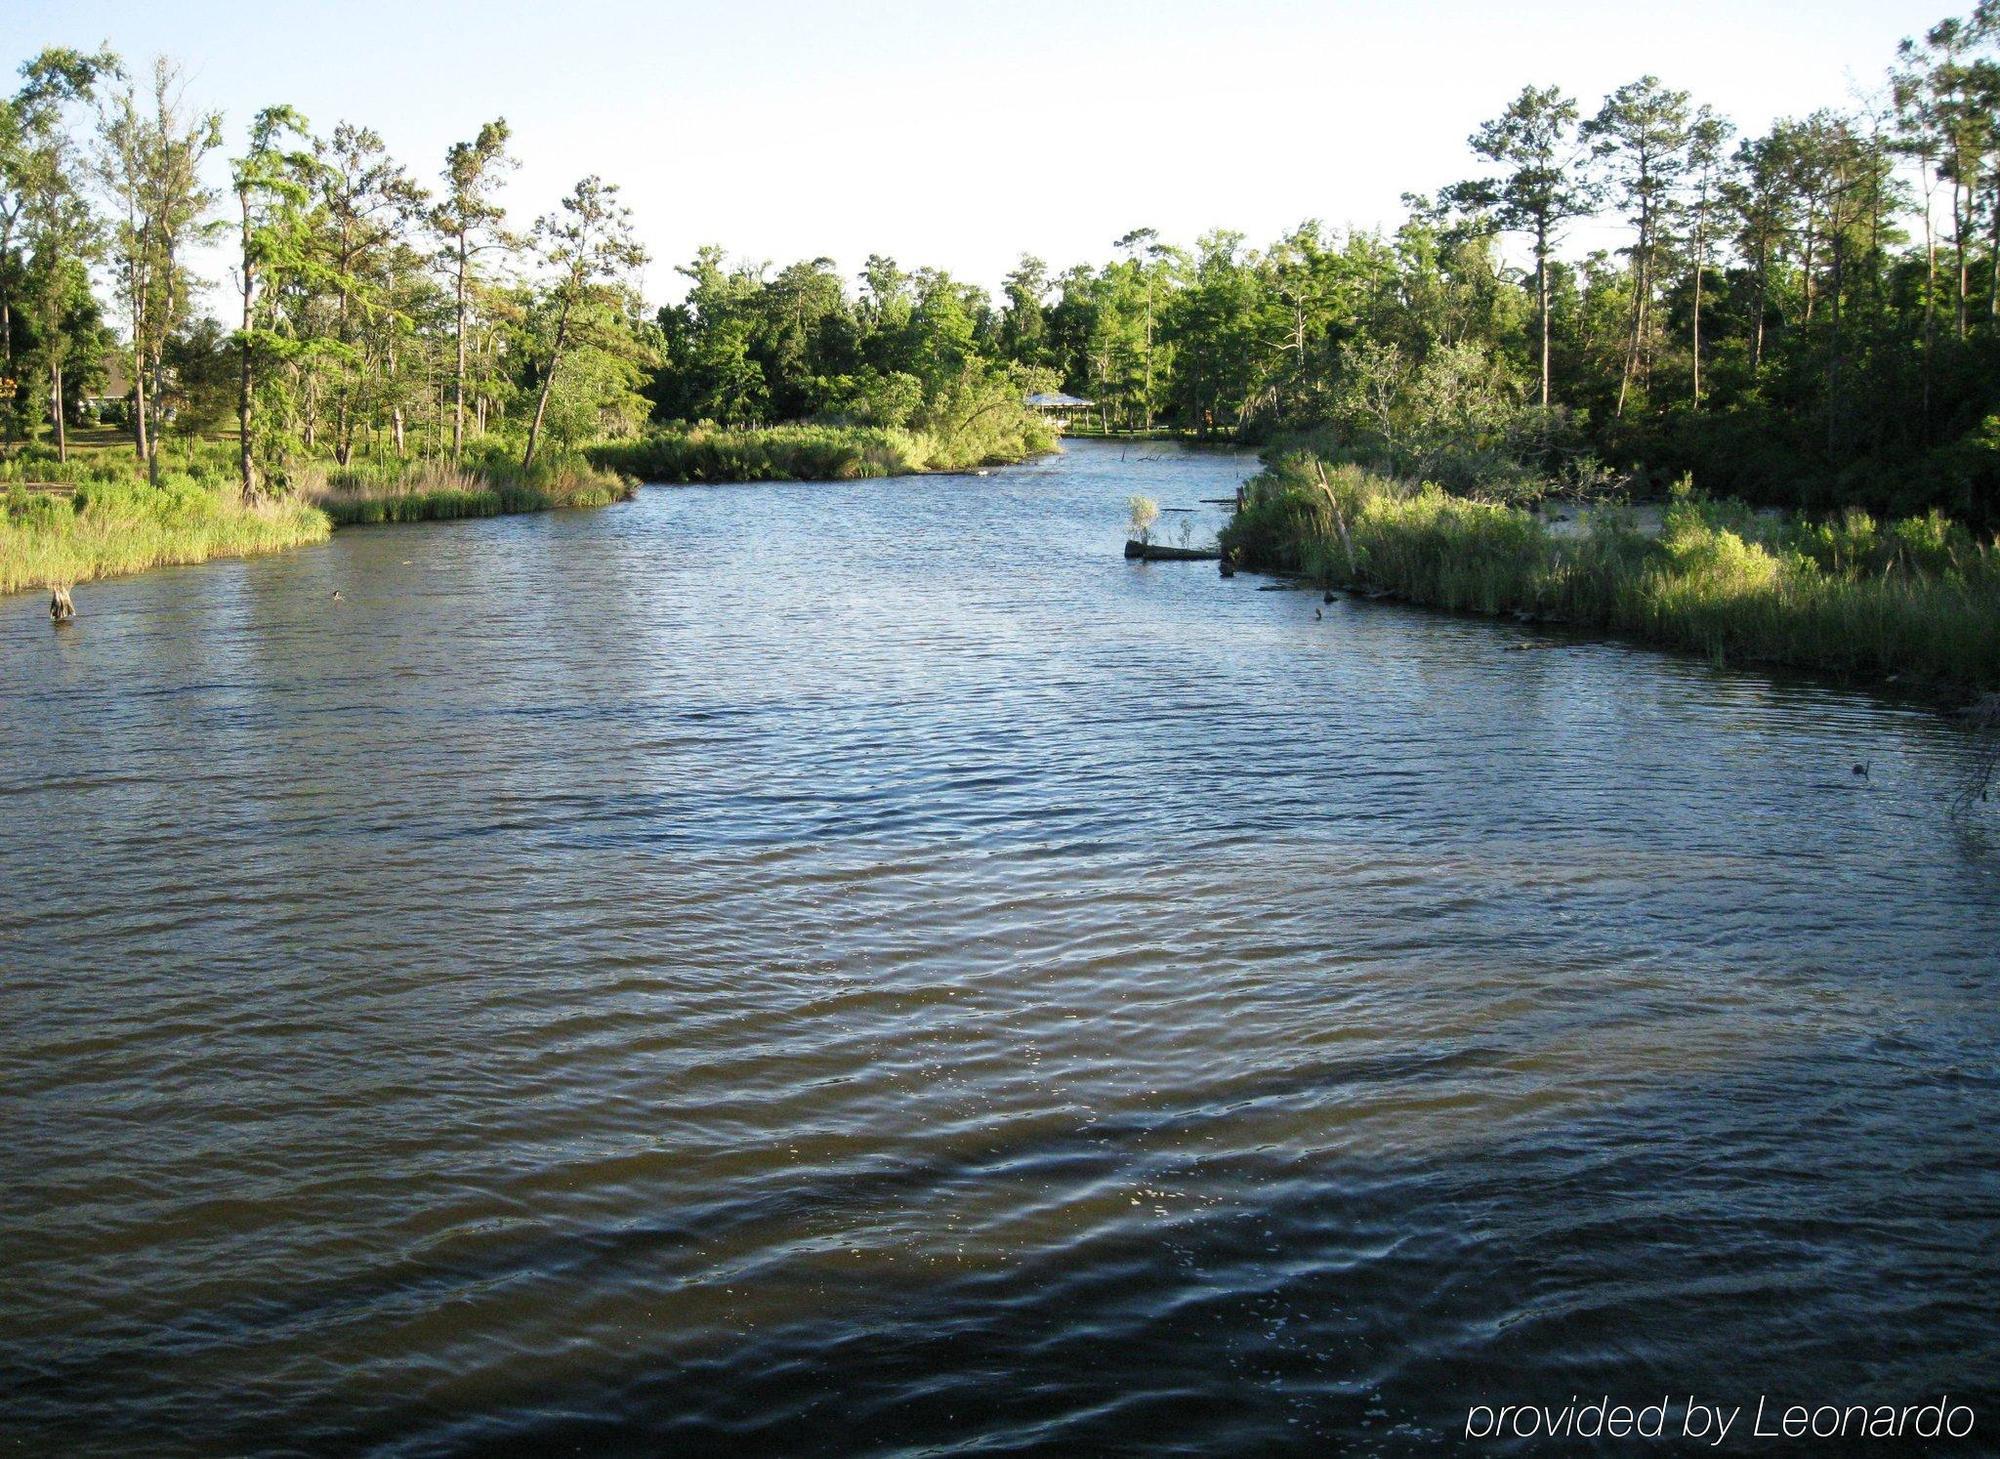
{"type": "Point", "coordinates": [109, 520]}
{"type": "Point", "coordinates": [819, 452]}
{"type": "Point", "coordinates": [1918, 598]}
{"type": "Point", "coordinates": [767, 453]}
{"type": "Point", "coordinates": [438, 491]}
{"type": "Point", "coordinates": [107, 528]}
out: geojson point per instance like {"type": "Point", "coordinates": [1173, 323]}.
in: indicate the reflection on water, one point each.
{"type": "Point", "coordinates": [865, 969]}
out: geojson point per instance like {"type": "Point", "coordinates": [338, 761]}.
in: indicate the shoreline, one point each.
{"type": "Point", "coordinates": [61, 534]}
{"type": "Point", "coordinates": [1911, 607]}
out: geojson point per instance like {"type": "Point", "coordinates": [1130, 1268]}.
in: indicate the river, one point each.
{"type": "Point", "coordinates": [864, 969]}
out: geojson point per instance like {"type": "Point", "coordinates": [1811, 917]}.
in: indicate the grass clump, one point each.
{"type": "Point", "coordinates": [435, 491]}
{"type": "Point", "coordinates": [991, 433]}
{"type": "Point", "coordinates": [105, 528]}
{"type": "Point", "coordinates": [767, 453]}
{"type": "Point", "coordinates": [1918, 597]}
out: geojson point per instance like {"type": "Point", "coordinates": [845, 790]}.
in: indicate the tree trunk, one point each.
{"type": "Point", "coordinates": [1993, 254]}
{"type": "Point", "coordinates": [56, 394]}
{"type": "Point", "coordinates": [247, 383]}
{"type": "Point", "coordinates": [7, 350]}
{"type": "Point", "coordinates": [1542, 290]}
{"type": "Point", "coordinates": [548, 384]}
{"type": "Point", "coordinates": [1959, 225]}
{"type": "Point", "coordinates": [163, 324]}
{"type": "Point", "coordinates": [1699, 269]}
{"type": "Point", "coordinates": [139, 408]}
{"type": "Point", "coordinates": [396, 412]}
{"type": "Point", "coordinates": [1763, 287]}
{"type": "Point", "coordinates": [458, 401]}
{"type": "Point", "coordinates": [1930, 306]}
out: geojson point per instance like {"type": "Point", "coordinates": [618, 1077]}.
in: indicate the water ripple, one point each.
{"type": "Point", "coordinates": [863, 969]}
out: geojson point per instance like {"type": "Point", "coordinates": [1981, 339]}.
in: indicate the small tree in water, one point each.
{"type": "Point", "coordinates": [1145, 512]}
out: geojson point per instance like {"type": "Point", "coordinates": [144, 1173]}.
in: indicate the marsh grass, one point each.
{"type": "Point", "coordinates": [107, 528]}
{"type": "Point", "coordinates": [111, 521]}
{"type": "Point", "coordinates": [996, 434]}
{"type": "Point", "coordinates": [438, 491]}
{"type": "Point", "coordinates": [1918, 598]}
{"type": "Point", "coordinates": [768, 453]}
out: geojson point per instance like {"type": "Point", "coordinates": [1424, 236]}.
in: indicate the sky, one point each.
{"type": "Point", "coordinates": [963, 135]}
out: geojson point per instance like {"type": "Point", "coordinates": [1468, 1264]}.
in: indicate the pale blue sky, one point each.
{"type": "Point", "coordinates": [961, 135]}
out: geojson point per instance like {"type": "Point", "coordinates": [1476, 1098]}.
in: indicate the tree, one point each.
{"type": "Point", "coordinates": [589, 249]}
{"type": "Point", "coordinates": [1642, 133]}
{"type": "Point", "coordinates": [1948, 95]}
{"type": "Point", "coordinates": [1543, 187]}
{"type": "Point", "coordinates": [272, 187]}
{"type": "Point", "coordinates": [48, 234]}
{"type": "Point", "coordinates": [150, 153]}
{"type": "Point", "coordinates": [1707, 166]}
{"type": "Point", "coordinates": [1024, 327]}
{"type": "Point", "coordinates": [1141, 248]}
{"type": "Point", "coordinates": [471, 223]}
{"type": "Point", "coordinates": [365, 197]}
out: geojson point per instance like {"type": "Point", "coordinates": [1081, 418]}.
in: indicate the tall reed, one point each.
{"type": "Point", "coordinates": [1917, 598]}
{"type": "Point", "coordinates": [106, 528]}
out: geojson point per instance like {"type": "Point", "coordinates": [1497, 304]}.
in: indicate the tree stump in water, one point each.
{"type": "Point", "coordinates": [61, 610]}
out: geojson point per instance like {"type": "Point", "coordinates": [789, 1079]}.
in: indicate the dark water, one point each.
{"type": "Point", "coordinates": [864, 969]}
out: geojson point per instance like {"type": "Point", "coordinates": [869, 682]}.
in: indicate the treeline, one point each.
{"type": "Point", "coordinates": [378, 318]}
{"type": "Point", "coordinates": [909, 350]}
{"type": "Point", "coordinates": [1809, 316]}
{"type": "Point", "coordinates": [375, 315]}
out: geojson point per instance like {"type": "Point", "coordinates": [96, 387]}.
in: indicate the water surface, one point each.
{"type": "Point", "coordinates": [863, 969]}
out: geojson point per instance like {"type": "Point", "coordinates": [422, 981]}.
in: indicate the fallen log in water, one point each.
{"type": "Point", "coordinates": [1154, 552]}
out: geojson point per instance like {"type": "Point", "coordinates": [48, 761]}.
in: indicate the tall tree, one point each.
{"type": "Point", "coordinates": [47, 234]}
{"type": "Point", "coordinates": [1543, 187]}
{"type": "Point", "coordinates": [470, 222]}
{"type": "Point", "coordinates": [1641, 134]}
{"type": "Point", "coordinates": [150, 154]}
{"type": "Point", "coordinates": [590, 251]}
{"type": "Point", "coordinates": [1707, 175]}
{"type": "Point", "coordinates": [365, 198]}
{"type": "Point", "coordinates": [1141, 248]}
{"type": "Point", "coordinates": [273, 187]}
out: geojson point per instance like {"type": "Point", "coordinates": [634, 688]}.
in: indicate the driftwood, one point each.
{"type": "Point", "coordinates": [61, 609]}
{"type": "Point", "coordinates": [1155, 552]}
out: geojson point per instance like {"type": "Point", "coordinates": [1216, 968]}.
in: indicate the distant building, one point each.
{"type": "Point", "coordinates": [117, 385]}
{"type": "Point", "coordinates": [1057, 408]}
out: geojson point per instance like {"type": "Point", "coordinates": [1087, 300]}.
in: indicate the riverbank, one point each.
{"type": "Point", "coordinates": [105, 529]}
{"type": "Point", "coordinates": [712, 455]}
{"type": "Point", "coordinates": [111, 522]}
{"type": "Point", "coordinates": [1915, 601]}
{"type": "Point", "coordinates": [436, 491]}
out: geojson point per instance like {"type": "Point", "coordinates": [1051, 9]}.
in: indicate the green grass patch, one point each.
{"type": "Point", "coordinates": [438, 491]}
{"type": "Point", "coordinates": [110, 521]}
{"type": "Point", "coordinates": [1918, 598]}
{"type": "Point", "coordinates": [989, 436]}
{"type": "Point", "coordinates": [106, 528]}
{"type": "Point", "coordinates": [767, 453]}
